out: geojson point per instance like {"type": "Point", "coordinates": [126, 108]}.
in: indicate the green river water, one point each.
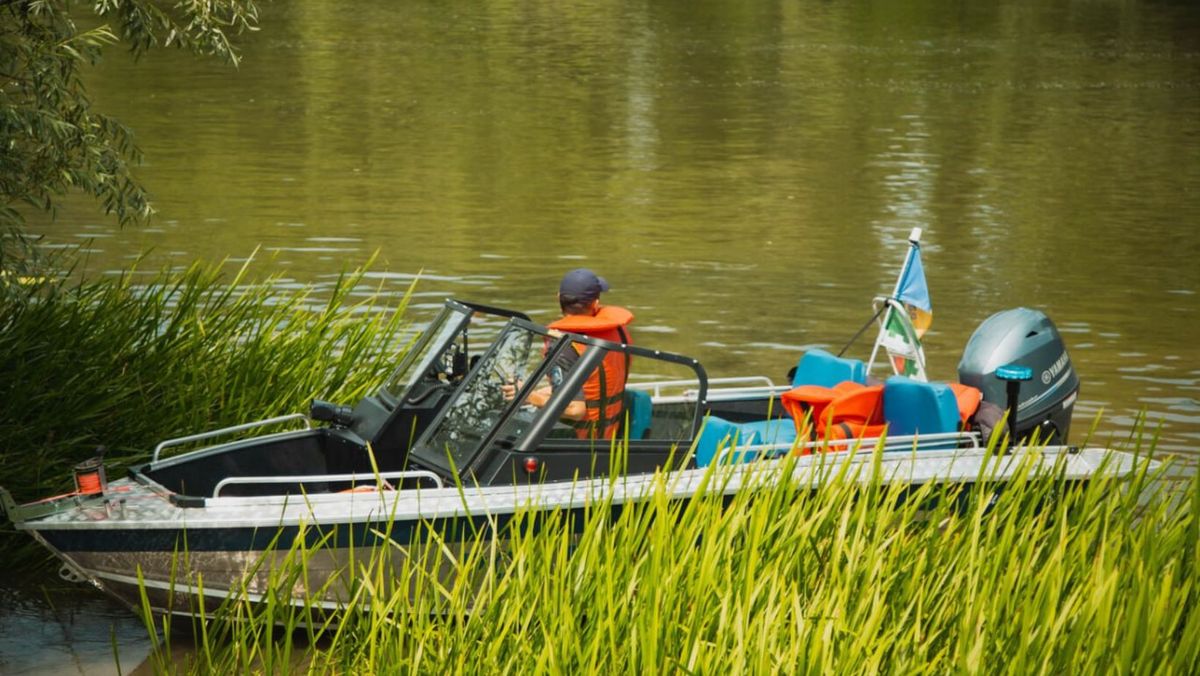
{"type": "Point", "coordinates": [745, 174]}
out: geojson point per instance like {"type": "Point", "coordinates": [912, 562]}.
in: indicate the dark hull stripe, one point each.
{"type": "Point", "coordinates": [224, 539]}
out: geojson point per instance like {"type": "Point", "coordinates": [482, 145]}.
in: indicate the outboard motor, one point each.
{"type": "Point", "coordinates": [1027, 338]}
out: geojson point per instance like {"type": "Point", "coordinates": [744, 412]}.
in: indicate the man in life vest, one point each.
{"type": "Point", "coordinates": [599, 409]}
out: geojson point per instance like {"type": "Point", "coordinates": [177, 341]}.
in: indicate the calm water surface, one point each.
{"type": "Point", "coordinates": [53, 628]}
{"type": "Point", "coordinates": [744, 173]}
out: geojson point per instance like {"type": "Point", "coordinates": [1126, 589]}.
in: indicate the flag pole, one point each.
{"type": "Point", "coordinates": [914, 239]}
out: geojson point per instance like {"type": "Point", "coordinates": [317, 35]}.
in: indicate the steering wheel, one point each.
{"type": "Point", "coordinates": [431, 380]}
{"type": "Point", "coordinates": [423, 388]}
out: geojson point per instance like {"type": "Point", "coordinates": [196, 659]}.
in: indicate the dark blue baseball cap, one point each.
{"type": "Point", "coordinates": [582, 284]}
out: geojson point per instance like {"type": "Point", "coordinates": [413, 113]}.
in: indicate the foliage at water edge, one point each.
{"type": "Point", "coordinates": [851, 578]}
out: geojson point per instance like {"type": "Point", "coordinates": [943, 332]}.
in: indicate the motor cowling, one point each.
{"type": "Point", "coordinates": [1028, 338]}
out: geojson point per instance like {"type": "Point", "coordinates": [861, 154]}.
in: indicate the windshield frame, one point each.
{"type": "Point", "coordinates": [465, 461]}
{"type": "Point", "coordinates": [425, 449]}
{"type": "Point", "coordinates": [423, 349]}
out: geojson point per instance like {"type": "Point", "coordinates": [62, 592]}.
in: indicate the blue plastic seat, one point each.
{"type": "Point", "coordinates": [638, 410]}
{"type": "Point", "coordinates": [818, 367]}
{"type": "Point", "coordinates": [721, 436]}
{"type": "Point", "coordinates": [716, 433]}
{"type": "Point", "coordinates": [913, 407]}
{"type": "Point", "coordinates": [777, 431]}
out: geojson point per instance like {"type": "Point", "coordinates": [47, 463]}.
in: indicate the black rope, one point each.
{"type": "Point", "coordinates": [882, 307]}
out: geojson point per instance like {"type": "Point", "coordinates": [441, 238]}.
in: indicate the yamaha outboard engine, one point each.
{"type": "Point", "coordinates": [1028, 338]}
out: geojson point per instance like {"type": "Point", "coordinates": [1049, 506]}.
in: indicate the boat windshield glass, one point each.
{"type": "Point", "coordinates": [431, 354]}
{"type": "Point", "coordinates": [481, 402]}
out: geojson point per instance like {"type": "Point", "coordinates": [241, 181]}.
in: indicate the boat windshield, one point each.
{"type": "Point", "coordinates": [480, 403]}
{"type": "Point", "coordinates": [431, 353]}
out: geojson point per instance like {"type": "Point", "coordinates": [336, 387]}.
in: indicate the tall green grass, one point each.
{"type": "Point", "coordinates": [128, 361]}
{"type": "Point", "coordinates": [851, 578]}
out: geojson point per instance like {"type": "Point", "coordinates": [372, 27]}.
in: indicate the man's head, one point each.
{"type": "Point", "coordinates": [579, 291]}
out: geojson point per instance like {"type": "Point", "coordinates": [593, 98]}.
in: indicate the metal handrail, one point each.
{"type": "Point", "coordinates": [229, 430]}
{"type": "Point", "coordinates": [890, 443]}
{"type": "Point", "coordinates": [657, 386]}
{"type": "Point", "coordinates": [723, 394]}
{"type": "Point", "coordinates": [241, 480]}
{"type": "Point", "coordinates": [734, 391]}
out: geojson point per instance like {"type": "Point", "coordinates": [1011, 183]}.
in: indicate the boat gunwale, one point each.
{"type": "Point", "coordinates": [451, 502]}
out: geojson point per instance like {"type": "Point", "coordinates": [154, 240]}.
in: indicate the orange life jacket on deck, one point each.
{"type": "Point", "coordinates": [847, 410]}
{"type": "Point", "coordinates": [852, 411]}
{"type": "Point", "coordinates": [604, 391]}
{"type": "Point", "coordinates": [855, 414]}
{"type": "Point", "coordinates": [968, 401]}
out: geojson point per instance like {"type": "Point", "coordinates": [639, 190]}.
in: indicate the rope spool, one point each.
{"type": "Point", "coordinates": [89, 477]}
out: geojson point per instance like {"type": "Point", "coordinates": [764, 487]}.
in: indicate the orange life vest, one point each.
{"type": "Point", "coordinates": [604, 391]}
{"type": "Point", "coordinates": [968, 401]}
{"type": "Point", "coordinates": [847, 410]}
{"type": "Point", "coordinates": [852, 411]}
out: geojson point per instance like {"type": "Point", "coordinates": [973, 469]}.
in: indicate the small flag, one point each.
{"type": "Point", "coordinates": [908, 318]}
{"type": "Point", "coordinates": [914, 293]}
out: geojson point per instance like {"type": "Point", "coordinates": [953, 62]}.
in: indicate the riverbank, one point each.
{"type": "Point", "coordinates": [1040, 576]}
{"type": "Point", "coordinates": [125, 361]}
{"type": "Point", "coordinates": [1048, 577]}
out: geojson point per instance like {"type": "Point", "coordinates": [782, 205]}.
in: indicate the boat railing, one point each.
{"type": "Point", "coordinates": [179, 441]}
{"type": "Point", "coordinates": [891, 444]}
{"type": "Point", "coordinates": [734, 386]}
{"type": "Point", "coordinates": [313, 478]}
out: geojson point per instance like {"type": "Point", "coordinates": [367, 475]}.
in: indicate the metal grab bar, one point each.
{"type": "Point", "coordinates": [410, 474]}
{"type": "Point", "coordinates": [724, 394]}
{"type": "Point", "coordinates": [229, 430]}
{"type": "Point", "coordinates": [656, 387]}
{"type": "Point", "coordinates": [734, 392]}
{"type": "Point", "coordinates": [890, 444]}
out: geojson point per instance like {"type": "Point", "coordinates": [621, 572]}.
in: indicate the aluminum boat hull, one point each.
{"type": "Point", "coordinates": [134, 540]}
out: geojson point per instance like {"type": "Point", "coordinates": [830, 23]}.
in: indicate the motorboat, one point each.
{"type": "Point", "coordinates": [439, 446]}
{"type": "Point", "coordinates": [452, 440]}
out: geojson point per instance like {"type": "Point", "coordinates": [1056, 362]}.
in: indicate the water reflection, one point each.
{"type": "Point", "coordinates": [51, 627]}
{"type": "Point", "coordinates": [744, 173]}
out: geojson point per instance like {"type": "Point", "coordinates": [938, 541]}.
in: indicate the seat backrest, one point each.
{"type": "Point", "coordinates": [717, 433]}
{"type": "Point", "coordinates": [730, 442]}
{"type": "Point", "coordinates": [638, 410]}
{"type": "Point", "coordinates": [818, 367]}
{"type": "Point", "coordinates": [914, 407]}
